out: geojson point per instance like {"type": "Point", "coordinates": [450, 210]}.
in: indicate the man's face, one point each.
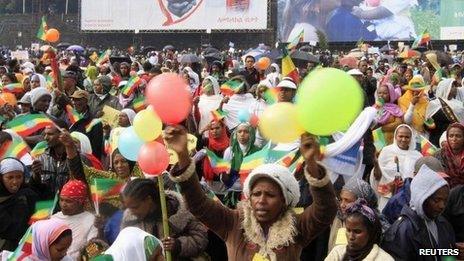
{"type": "Point", "coordinates": [51, 135]}
{"type": "Point", "coordinates": [80, 104]}
{"type": "Point", "coordinates": [363, 66]}
{"type": "Point", "coordinates": [69, 83]}
{"type": "Point", "coordinates": [249, 63]}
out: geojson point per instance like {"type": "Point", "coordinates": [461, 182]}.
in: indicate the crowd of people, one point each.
{"type": "Point", "coordinates": [407, 197]}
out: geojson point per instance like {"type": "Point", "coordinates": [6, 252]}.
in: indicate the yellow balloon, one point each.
{"type": "Point", "coordinates": [147, 125]}
{"type": "Point", "coordinates": [279, 123]}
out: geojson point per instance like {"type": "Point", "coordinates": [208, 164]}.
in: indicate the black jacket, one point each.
{"type": "Point", "coordinates": [409, 234]}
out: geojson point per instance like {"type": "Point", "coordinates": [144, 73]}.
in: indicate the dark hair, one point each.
{"type": "Point", "coordinates": [373, 229]}
{"type": "Point", "coordinates": [139, 189]}
{"type": "Point", "coordinates": [66, 233]}
{"type": "Point", "coordinates": [147, 66]}
{"type": "Point", "coordinates": [12, 77]}
{"type": "Point", "coordinates": [156, 69]}
{"type": "Point", "coordinates": [131, 163]}
{"type": "Point", "coordinates": [250, 56]}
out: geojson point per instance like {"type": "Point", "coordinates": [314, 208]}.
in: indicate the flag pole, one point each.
{"type": "Point", "coordinates": [164, 212]}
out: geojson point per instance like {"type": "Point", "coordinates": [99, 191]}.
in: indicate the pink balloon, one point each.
{"type": "Point", "coordinates": [170, 97]}
{"type": "Point", "coordinates": [153, 158]}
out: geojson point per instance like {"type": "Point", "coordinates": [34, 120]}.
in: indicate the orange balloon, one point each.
{"type": "Point", "coordinates": [52, 35]}
{"type": "Point", "coordinates": [263, 63]}
{"type": "Point", "coordinates": [9, 98]}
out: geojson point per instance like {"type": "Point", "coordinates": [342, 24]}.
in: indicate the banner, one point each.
{"type": "Point", "coordinates": [370, 20]}
{"type": "Point", "coordinates": [107, 15]}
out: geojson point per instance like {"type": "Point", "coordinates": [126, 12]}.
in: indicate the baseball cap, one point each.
{"type": "Point", "coordinates": [287, 82]}
{"type": "Point", "coordinates": [79, 94]}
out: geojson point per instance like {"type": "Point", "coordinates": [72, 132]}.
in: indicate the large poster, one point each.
{"type": "Point", "coordinates": [370, 20]}
{"type": "Point", "coordinates": [173, 14]}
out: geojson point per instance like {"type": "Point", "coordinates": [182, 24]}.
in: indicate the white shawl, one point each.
{"type": "Point", "coordinates": [443, 90]}
{"type": "Point", "coordinates": [236, 103]}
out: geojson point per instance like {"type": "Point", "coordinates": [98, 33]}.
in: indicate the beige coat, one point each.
{"type": "Point", "coordinates": [376, 254]}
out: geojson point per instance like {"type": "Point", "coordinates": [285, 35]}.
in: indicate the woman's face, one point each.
{"type": "Point", "coordinates": [139, 208]}
{"type": "Point", "coordinates": [35, 82]}
{"type": "Point", "coordinates": [383, 93]}
{"type": "Point", "coordinates": [27, 84]}
{"type": "Point", "coordinates": [97, 87]}
{"type": "Point", "coordinates": [124, 70]}
{"type": "Point", "coordinates": [43, 103]}
{"type": "Point", "coordinates": [215, 130]}
{"type": "Point", "coordinates": [5, 80]}
{"type": "Point", "coordinates": [267, 201]}
{"type": "Point", "coordinates": [214, 68]}
{"type": "Point", "coordinates": [186, 79]}
{"type": "Point", "coordinates": [59, 248]}
{"type": "Point", "coordinates": [13, 181]}
{"type": "Point", "coordinates": [121, 166]}
{"type": "Point", "coordinates": [403, 138]}
{"type": "Point", "coordinates": [356, 233]}
{"type": "Point", "coordinates": [123, 120]}
{"type": "Point", "coordinates": [456, 139]}
{"type": "Point", "coordinates": [70, 206]}
{"type": "Point", "coordinates": [243, 135]}
{"type": "Point", "coordinates": [408, 75]}
{"type": "Point", "coordinates": [346, 198]}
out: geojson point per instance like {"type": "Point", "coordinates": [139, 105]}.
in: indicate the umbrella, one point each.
{"type": "Point", "coordinates": [75, 48]}
{"type": "Point", "coordinates": [212, 57]}
{"type": "Point", "coordinates": [351, 62]}
{"type": "Point", "coordinates": [168, 47]}
{"type": "Point", "coordinates": [409, 54]}
{"type": "Point", "coordinates": [189, 58]}
{"type": "Point", "coordinates": [304, 56]}
{"type": "Point", "coordinates": [357, 53]}
{"type": "Point", "coordinates": [211, 50]}
{"type": "Point", "coordinates": [148, 49]}
{"type": "Point", "coordinates": [63, 45]}
{"type": "Point", "coordinates": [385, 48]}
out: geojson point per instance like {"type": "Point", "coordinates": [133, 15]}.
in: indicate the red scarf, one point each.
{"type": "Point", "coordinates": [218, 146]}
{"type": "Point", "coordinates": [454, 165]}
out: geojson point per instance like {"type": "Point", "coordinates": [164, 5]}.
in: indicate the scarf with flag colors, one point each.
{"type": "Point", "coordinates": [426, 147]}
{"type": "Point", "coordinates": [42, 29]}
{"type": "Point", "coordinates": [39, 149]}
{"type": "Point", "coordinates": [288, 67]}
{"type": "Point", "coordinates": [43, 209]}
{"type": "Point", "coordinates": [13, 88]}
{"type": "Point", "coordinates": [252, 161]}
{"type": "Point", "coordinates": [422, 39]}
{"type": "Point", "coordinates": [218, 164]}
{"type": "Point", "coordinates": [270, 96]}
{"type": "Point", "coordinates": [295, 41]}
{"type": "Point", "coordinates": [231, 87]}
{"type": "Point", "coordinates": [379, 139]}
{"type": "Point", "coordinates": [72, 114]}
{"type": "Point", "coordinates": [25, 125]}
{"type": "Point", "coordinates": [92, 124]}
{"type": "Point", "coordinates": [15, 148]}
{"type": "Point", "coordinates": [131, 85]}
{"type": "Point", "coordinates": [218, 114]}
{"type": "Point", "coordinates": [24, 248]}
{"type": "Point", "coordinates": [139, 103]}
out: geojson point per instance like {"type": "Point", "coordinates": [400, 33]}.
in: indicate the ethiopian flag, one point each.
{"type": "Point", "coordinates": [139, 103]}
{"type": "Point", "coordinates": [104, 57]}
{"type": "Point", "coordinates": [252, 161]}
{"type": "Point", "coordinates": [231, 87]}
{"type": "Point", "coordinates": [131, 85]}
{"type": "Point", "coordinates": [13, 88]}
{"type": "Point", "coordinates": [24, 248]}
{"type": "Point", "coordinates": [25, 125]}
{"type": "Point", "coordinates": [72, 114]}
{"type": "Point", "coordinates": [427, 148]}
{"type": "Point", "coordinates": [218, 114]}
{"type": "Point", "coordinates": [43, 209]}
{"type": "Point", "coordinates": [288, 67]}
{"type": "Point", "coordinates": [92, 124]}
{"type": "Point", "coordinates": [379, 139]}
{"type": "Point", "coordinates": [422, 39]}
{"type": "Point", "coordinates": [15, 148]}
{"type": "Point", "coordinates": [102, 189]}
{"type": "Point", "coordinates": [270, 96]}
{"type": "Point", "coordinates": [39, 149]}
{"type": "Point", "coordinates": [42, 29]}
{"type": "Point", "coordinates": [218, 164]}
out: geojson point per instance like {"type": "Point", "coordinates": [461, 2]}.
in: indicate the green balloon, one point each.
{"type": "Point", "coordinates": [328, 100]}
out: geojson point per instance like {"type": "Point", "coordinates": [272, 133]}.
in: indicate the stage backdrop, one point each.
{"type": "Point", "coordinates": [371, 19]}
{"type": "Point", "coordinates": [109, 15]}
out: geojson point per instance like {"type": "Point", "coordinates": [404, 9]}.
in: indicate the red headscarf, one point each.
{"type": "Point", "coordinates": [218, 145]}
{"type": "Point", "coordinates": [76, 190]}
{"type": "Point", "coordinates": [454, 163]}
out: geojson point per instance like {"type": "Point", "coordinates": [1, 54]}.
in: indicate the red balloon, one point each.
{"type": "Point", "coordinates": [170, 97]}
{"type": "Point", "coordinates": [52, 35]}
{"type": "Point", "coordinates": [153, 158]}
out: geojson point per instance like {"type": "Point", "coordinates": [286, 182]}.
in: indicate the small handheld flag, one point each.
{"type": "Point", "coordinates": [25, 125]}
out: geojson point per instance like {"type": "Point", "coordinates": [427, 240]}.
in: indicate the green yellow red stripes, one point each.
{"type": "Point", "coordinates": [25, 125]}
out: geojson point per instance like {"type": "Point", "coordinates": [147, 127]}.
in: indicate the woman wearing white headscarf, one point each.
{"type": "Point", "coordinates": [194, 79]}
{"type": "Point", "coordinates": [274, 77]}
{"type": "Point", "coordinates": [84, 142]}
{"type": "Point", "coordinates": [133, 243]}
{"type": "Point", "coordinates": [208, 101]}
{"type": "Point", "coordinates": [444, 110]}
{"type": "Point", "coordinates": [396, 161]}
{"type": "Point", "coordinates": [126, 117]}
